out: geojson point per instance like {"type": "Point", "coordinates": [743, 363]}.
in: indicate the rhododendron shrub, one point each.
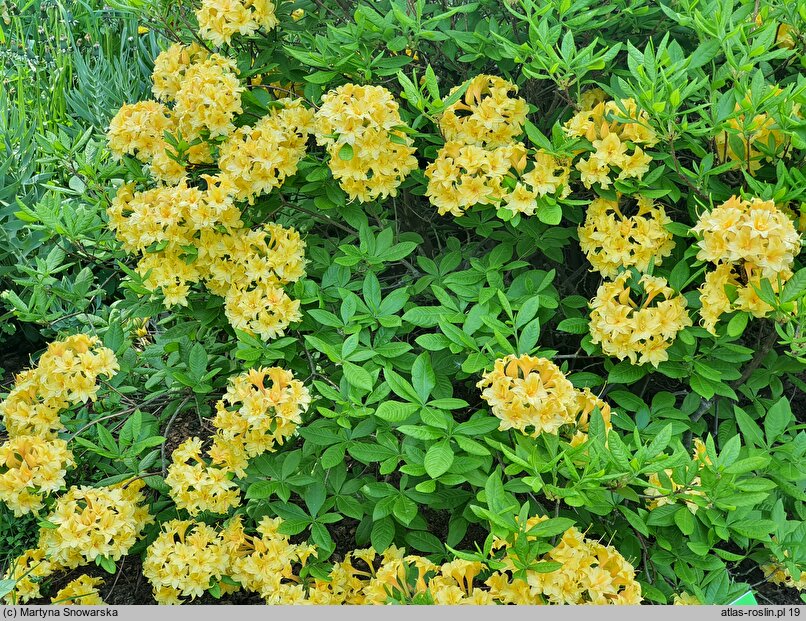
{"type": "Point", "coordinates": [440, 303]}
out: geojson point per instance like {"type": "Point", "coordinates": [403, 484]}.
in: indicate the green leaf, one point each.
{"type": "Point", "coordinates": [197, 361]}
{"type": "Point", "coordinates": [422, 376]}
{"type": "Point", "coordinates": [777, 419]}
{"type": "Point", "coordinates": [758, 462]}
{"type": "Point", "coordinates": [395, 412]}
{"type": "Point", "coordinates": [346, 152]}
{"type": "Point", "coordinates": [6, 587]}
{"type": "Point", "coordinates": [383, 532]}
{"type": "Point", "coordinates": [400, 386]}
{"type": "Point", "coordinates": [685, 520]}
{"type": "Point", "coordinates": [625, 373]}
{"type": "Point", "coordinates": [438, 459]}
{"type": "Point", "coordinates": [423, 541]}
{"type": "Point", "coordinates": [795, 286]}
{"type": "Point", "coordinates": [573, 325]}
{"type": "Point", "coordinates": [754, 529]}
{"type": "Point", "coordinates": [679, 275]}
{"type": "Point", "coordinates": [737, 324]}
{"type": "Point", "coordinates": [551, 527]}
{"type": "Point", "coordinates": [549, 213]}
{"type": "Point", "coordinates": [357, 376]}
{"type": "Point", "coordinates": [660, 442]}
{"type": "Point", "coordinates": [420, 432]}
{"type": "Point", "coordinates": [749, 428]}
{"type": "Point", "coordinates": [730, 452]}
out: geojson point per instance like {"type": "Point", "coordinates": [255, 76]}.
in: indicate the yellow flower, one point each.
{"type": "Point", "coordinates": [197, 487]}
{"type": "Point", "coordinates": [95, 522]}
{"type": "Point", "coordinates": [260, 410]}
{"type": "Point", "coordinates": [591, 573]}
{"type": "Point", "coordinates": [170, 66]}
{"type": "Point", "coordinates": [612, 240]}
{"type": "Point", "coordinates": [66, 375]}
{"type": "Point", "coordinates": [183, 559]}
{"type": "Point", "coordinates": [30, 469]}
{"type": "Point", "coordinates": [640, 333]}
{"type": "Point", "coordinates": [464, 175]}
{"type": "Point", "coordinates": [527, 392]}
{"type": "Point", "coordinates": [748, 240]}
{"type": "Point", "coordinates": [360, 126]}
{"type": "Point", "coordinates": [751, 140]}
{"type": "Point", "coordinates": [777, 573]}
{"type": "Point", "coordinates": [685, 599]}
{"type": "Point", "coordinates": [28, 571]}
{"type": "Point", "coordinates": [219, 20]}
{"type": "Point", "coordinates": [137, 129]}
{"type": "Point", "coordinates": [663, 496]}
{"type": "Point", "coordinates": [616, 132]}
{"type": "Point", "coordinates": [82, 591]}
{"type": "Point", "coordinates": [208, 98]}
{"type": "Point", "coordinates": [260, 158]}
{"type": "Point", "coordinates": [486, 115]}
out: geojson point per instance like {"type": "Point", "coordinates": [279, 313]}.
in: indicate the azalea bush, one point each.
{"type": "Point", "coordinates": [486, 302]}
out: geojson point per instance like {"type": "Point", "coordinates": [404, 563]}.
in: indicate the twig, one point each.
{"type": "Point", "coordinates": [168, 429]}
{"type": "Point", "coordinates": [758, 358]}
{"type": "Point", "coordinates": [679, 171]}
{"type": "Point", "coordinates": [117, 577]}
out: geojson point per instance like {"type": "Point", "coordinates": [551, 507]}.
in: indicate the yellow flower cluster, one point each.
{"type": "Point", "coordinates": [260, 410]}
{"type": "Point", "coordinates": [254, 265]}
{"type": "Point", "coordinates": [206, 96]}
{"type": "Point", "coordinates": [486, 115]}
{"type": "Point", "coordinates": [686, 599]}
{"type": "Point", "coordinates": [33, 461]}
{"type": "Point", "coordinates": [219, 20]}
{"type": "Point", "coordinates": [65, 375]}
{"type": "Point", "coordinates": [361, 129]}
{"type": "Point", "coordinates": [187, 558]}
{"type": "Point", "coordinates": [137, 129]}
{"type": "Point", "coordinates": [481, 163]}
{"type": "Point", "coordinates": [83, 591]}
{"type": "Point", "coordinates": [197, 487]}
{"type": "Point", "coordinates": [95, 522]}
{"type": "Point", "coordinates": [86, 523]}
{"type": "Point", "coordinates": [260, 158]}
{"type": "Point", "coordinates": [170, 66]}
{"type": "Point", "coordinates": [183, 559]}
{"type": "Point", "coordinates": [28, 571]}
{"type": "Point", "coordinates": [591, 573]}
{"type": "Point", "coordinates": [641, 333]}
{"type": "Point", "coordinates": [777, 573]}
{"type": "Point", "coordinates": [616, 143]}
{"type": "Point", "coordinates": [761, 140]}
{"type": "Point", "coordinates": [395, 576]}
{"type": "Point", "coordinates": [664, 496]}
{"type": "Point", "coordinates": [526, 392]}
{"type": "Point", "coordinates": [187, 233]}
{"type": "Point", "coordinates": [586, 403]}
{"type": "Point", "coordinates": [247, 267]}
{"type": "Point", "coordinates": [170, 218]}
{"type": "Point", "coordinates": [748, 240]}
{"type": "Point", "coordinates": [32, 467]}
{"type": "Point", "coordinates": [464, 175]}
{"type": "Point", "coordinates": [610, 239]}
{"type": "Point", "coordinates": [529, 392]}
{"type": "Point", "coordinates": [264, 563]}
